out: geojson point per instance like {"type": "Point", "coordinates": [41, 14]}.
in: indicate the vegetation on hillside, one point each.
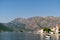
{"type": "Point", "coordinates": [3, 28]}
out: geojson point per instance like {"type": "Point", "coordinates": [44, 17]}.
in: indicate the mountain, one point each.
{"type": "Point", "coordinates": [33, 23]}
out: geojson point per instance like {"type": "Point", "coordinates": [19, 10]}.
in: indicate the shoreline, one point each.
{"type": "Point", "coordinates": [47, 34]}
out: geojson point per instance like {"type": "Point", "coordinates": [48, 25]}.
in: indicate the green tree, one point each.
{"type": "Point", "coordinates": [47, 30]}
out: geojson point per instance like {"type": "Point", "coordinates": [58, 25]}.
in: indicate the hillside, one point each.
{"type": "Point", "coordinates": [4, 28]}
{"type": "Point", "coordinates": [33, 23]}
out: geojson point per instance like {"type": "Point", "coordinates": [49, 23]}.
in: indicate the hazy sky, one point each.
{"type": "Point", "coordinates": [11, 9]}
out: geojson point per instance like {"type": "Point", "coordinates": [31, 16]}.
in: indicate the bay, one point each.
{"type": "Point", "coordinates": [26, 36]}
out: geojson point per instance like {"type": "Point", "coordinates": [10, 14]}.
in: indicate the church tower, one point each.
{"type": "Point", "coordinates": [57, 29]}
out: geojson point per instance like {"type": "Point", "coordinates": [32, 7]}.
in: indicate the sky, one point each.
{"type": "Point", "coordinates": [11, 9]}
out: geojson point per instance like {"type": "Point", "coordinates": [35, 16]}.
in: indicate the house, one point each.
{"type": "Point", "coordinates": [55, 29]}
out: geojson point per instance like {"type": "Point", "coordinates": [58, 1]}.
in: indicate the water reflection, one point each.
{"type": "Point", "coordinates": [57, 36]}
{"type": "Point", "coordinates": [41, 37]}
{"type": "Point", "coordinates": [18, 36]}
{"type": "Point", "coordinates": [49, 37]}
{"type": "Point", "coordinates": [27, 36]}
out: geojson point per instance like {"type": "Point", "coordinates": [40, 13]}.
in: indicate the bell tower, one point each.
{"type": "Point", "coordinates": [56, 29]}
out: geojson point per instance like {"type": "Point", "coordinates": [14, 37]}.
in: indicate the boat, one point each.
{"type": "Point", "coordinates": [47, 37]}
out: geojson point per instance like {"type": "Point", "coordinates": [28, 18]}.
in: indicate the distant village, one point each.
{"type": "Point", "coordinates": [54, 30]}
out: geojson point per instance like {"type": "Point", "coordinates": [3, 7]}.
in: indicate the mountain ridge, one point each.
{"type": "Point", "coordinates": [33, 23]}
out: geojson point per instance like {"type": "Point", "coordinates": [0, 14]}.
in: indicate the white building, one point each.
{"type": "Point", "coordinates": [55, 30]}
{"type": "Point", "coordinates": [40, 31]}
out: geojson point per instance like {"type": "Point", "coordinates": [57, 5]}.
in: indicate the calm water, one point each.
{"type": "Point", "coordinates": [25, 36]}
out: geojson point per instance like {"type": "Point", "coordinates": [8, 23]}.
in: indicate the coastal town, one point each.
{"type": "Point", "coordinates": [54, 30]}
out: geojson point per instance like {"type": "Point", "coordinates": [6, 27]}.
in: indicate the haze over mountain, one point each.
{"type": "Point", "coordinates": [33, 23]}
